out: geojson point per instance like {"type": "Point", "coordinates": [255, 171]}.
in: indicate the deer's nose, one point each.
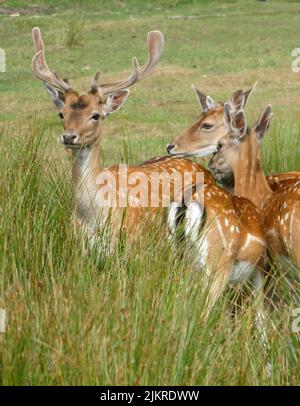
{"type": "Point", "coordinates": [170, 147]}
{"type": "Point", "coordinates": [69, 138]}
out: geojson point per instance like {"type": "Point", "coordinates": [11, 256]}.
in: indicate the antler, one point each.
{"type": "Point", "coordinates": [40, 67]}
{"type": "Point", "coordinates": [155, 40]}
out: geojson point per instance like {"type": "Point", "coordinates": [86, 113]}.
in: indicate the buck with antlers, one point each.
{"type": "Point", "coordinates": [203, 136]}
{"type": "Point", "coordinates": [82, 117]}
{"type": "Point", "coordinates": [280, 210]}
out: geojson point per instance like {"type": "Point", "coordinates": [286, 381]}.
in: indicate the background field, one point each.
{"type": "Point", "coordinates": [132, 319]}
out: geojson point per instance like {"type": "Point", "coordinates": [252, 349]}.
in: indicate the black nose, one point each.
{"type": "Point", "coordinates": [68, 138]}
{"type": "Point", "coordinates": [170, 147]}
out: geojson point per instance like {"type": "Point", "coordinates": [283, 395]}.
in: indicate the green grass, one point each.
{"type": "Point", "coordinates": [74, 33]}
{"type": "Point", "coordinates": [132, 318]}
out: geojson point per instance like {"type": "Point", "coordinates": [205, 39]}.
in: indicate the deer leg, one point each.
{"type": "Point", "coordinates": [216, 283]}
{"type": "Point", "coordinates": [257, 281]}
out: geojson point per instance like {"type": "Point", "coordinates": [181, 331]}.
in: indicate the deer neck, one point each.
{"type": "Point", "coordinates": [250, 180]}
{"type": "Point", "coordinates": [86, 168]}
{"type": "Point", "coordinates": [86, 165]}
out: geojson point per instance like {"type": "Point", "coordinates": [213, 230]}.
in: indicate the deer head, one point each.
{"type": "Point", "coordinates": [239, 148]}
{"type": "Point", "coordinates": [82, 115]}
{"type": "Point", "coordinates": [202, 137]}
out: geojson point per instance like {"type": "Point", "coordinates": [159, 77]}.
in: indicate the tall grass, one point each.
{"type": "Point", "coordinates": [74, 33]}
{"type": "Point", "coordinates": [137, 317]}
{"type": "Point", "coordinates": [281, 147]}
{"type": "Point", "coordinates": [134, 318]}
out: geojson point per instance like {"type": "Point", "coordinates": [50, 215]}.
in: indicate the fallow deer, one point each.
{"type": "Point", "coordinates": [280, 210]}
{"type": "Point", "coordinates": [203, 136]}
{"type": "Point", "coordinates": [82, 117]}
{"type": "Point", "coordinates": [226, 238]}
{"type": "Point", "coordinates": [225, 230]}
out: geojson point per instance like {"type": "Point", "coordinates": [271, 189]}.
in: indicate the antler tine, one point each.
{"type": "Point", "coordinates": [38, 42]}
{"type": "Point", "coordinates": [248, 92]}
{"type": "Point", "coordinates": [94, 85]}
{"type": "Point", "coordinates": [39, 66]}
{"type": "Point", "coordinates": [155, 40]}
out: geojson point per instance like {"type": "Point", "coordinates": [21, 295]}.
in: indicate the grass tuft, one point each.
{"type": "Point", "coordinates": [74, 33]}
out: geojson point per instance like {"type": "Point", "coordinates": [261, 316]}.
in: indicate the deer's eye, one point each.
{"type": "Point", "coordinates": [207, 126]}
{"type": "Point", "coordinates": [61, 115]}
{"type": "Point", "coordinates": [95, 116]}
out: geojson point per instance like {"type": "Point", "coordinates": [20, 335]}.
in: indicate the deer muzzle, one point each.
{"type": "Point", "coordinates": [69, 139]}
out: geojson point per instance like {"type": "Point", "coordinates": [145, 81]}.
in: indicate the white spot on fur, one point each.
{"type": "Point", "coordinates": [252, 238]}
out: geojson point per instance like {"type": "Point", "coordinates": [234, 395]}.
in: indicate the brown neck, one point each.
{"type": "Point", "coordinates": [86, 164]}
{"type": "Point", "coordinates": [250, 180]}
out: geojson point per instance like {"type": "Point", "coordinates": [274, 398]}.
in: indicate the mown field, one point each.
{"type": "Point", "coordinates": [133, 318]}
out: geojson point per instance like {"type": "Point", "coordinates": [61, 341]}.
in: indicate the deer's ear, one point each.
{"type": "Point", "coordinates": [239, 125]}
{"type": "Point", "coordinates": [263, 123]}
{"type": "Point", "coordinates": [56, 96]}
{"type": "Point", "coordinates": [206, 102]}
{"type": "Point", "coordinates": [239, 99]}
{"type": "Point", "coordinates": [201, 97]}
{"type": "Point", "coordinates": [227, 116]}
{"type": "Point", "coordinates": [236, 123]}
{"type": "Point", "coordinates": [210, 103]}
{"type": "Point", "coordinates": [115, 101]}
